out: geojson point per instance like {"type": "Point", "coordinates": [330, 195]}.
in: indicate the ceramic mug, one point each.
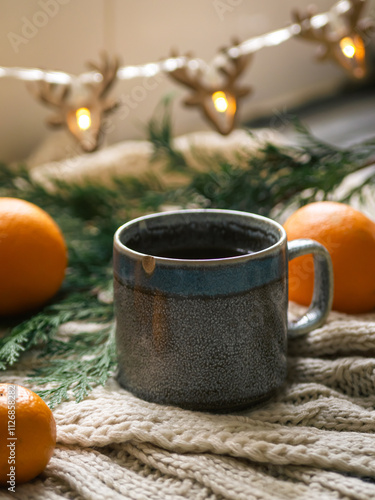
{"type": "Point", "coordinates": [201, 301]}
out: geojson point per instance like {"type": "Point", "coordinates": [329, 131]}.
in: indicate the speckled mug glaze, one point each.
{"type": "Point", "coordinates": [208, 334]}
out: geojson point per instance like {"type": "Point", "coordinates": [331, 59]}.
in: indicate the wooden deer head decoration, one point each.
{"type": "Point", "coordinates": [81, 107]}
{"type": "Point", "coordinates": [342, 39]}
{"type": "Point", "coordinates": [218, 102]}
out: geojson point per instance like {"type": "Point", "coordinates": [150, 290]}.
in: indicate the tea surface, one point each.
{"type": "Point", "coordinates": [205, 253]}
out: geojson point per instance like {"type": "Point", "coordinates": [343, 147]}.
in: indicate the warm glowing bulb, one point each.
{"type": "Point", "coordinates": [220, 101]}
{"type": "Point", "coordinates": [348, 47]}
{"type": "Point", "coordinates": [83, 118]}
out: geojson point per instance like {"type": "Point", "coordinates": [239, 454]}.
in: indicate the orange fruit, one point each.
{"type": "Point", "coordinates": [349, 236]}
{"type": "Point", "coordinates": [32, 256]}
{"type": "Point", "coordinates": [28, 435]}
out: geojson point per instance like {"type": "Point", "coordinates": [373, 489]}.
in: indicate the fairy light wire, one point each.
{"type": "Point", "coordinates": [170, 64]}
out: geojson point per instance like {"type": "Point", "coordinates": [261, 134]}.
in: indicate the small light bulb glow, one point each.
{"type": "Point", "coordinates": [348, 47]}
{"type": "Point", "coordinates": [220, 101]}
{"type": "Point", "coordinates": [83, 116]}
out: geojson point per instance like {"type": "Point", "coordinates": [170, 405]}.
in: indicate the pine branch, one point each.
{"type": "Point", "coordinates": [274, 176]}
{"type": "Point", "coordinates": [42, 328]}
{"type": "Point", "coordinates": [160, 134]}
{"type": "Point", "coordinates": [77, 375]}
{"type": "Point", "coordinates": [279, 176]}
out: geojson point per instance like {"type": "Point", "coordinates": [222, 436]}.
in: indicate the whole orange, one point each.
{"type": "Point", "coordinates": [33, 256]}
{"type": "Point", "coordinates": [349, 236]}
{"type": "Point", "coordinates": [28, 434]}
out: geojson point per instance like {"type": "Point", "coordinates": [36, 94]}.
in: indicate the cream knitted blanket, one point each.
{"type": "Point", "coordinates": [314, 440]}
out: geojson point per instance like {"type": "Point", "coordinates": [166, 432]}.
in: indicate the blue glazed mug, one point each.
{"type": "Point", "coordinates": [201, 301]}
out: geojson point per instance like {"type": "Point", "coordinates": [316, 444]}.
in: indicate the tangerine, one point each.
{"type": "Point", "coordinates": [33, 256]}
{"type": "Point", "coordinates": [349, 237]}
{"type": "Point", "coordinates": [28, 434]}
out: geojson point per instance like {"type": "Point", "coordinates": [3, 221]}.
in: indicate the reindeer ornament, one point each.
{"type": "Point", "coordinates": [217, 101]}
{"type": "Point", "coordinates": [81, 106]}
{"type": "Point", "coordinates": [341, 39]}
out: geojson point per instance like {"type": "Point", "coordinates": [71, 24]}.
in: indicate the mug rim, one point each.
{"type": "Point", "coordinates": [129, 252]}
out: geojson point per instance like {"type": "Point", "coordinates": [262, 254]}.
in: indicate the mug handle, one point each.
{"type": "Point", "coordinates": [323, 286]}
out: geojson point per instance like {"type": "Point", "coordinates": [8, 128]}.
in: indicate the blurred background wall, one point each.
{"type": "Point", "coordinates": [145, 31]}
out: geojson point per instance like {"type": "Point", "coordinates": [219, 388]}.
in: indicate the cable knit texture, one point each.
{"type": "Point", "coordinates": [314, 440]}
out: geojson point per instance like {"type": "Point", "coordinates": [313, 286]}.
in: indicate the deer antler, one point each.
{"type": "Point", "coordinates": [237, 67]}
{"type": "Point", "coordinates": [52, 94]}
{"type": "Point", "coordinates": [363, 26]}
{"type": "Point", "coordinates": [321, 35]}
{"type": "Point", "coordinates": [353, 14]}
{"type": "Point", "coordinates": [49, 93]}
{"type": "Point", "coordinates": [107, 67]}
{"type": "Point", "coordinates": [183, 75]}
{"type": "Point", "coordinates": [233, 72]}
{"type": "Point", "coordinates": [195, 81]}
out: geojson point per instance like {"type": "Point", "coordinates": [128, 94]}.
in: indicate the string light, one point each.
{"type": "Point", "coordinates": [220, 101]}
{"type": "Point", "coordinates": [248, 46]}
{"type": "Point", "coordinates": [83, 118]}
{"type": "Point", "coordinates": [225, 107]}
{"type": "Point", "coordinates": [347, 46]}
{"type": "Point", "coordinates": [353, 50]}
{"type": "Point", "coordinates": [337, 40]}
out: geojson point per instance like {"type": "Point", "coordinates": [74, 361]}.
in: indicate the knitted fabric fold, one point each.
{"type": "Point", "coordinates": [314, 440]}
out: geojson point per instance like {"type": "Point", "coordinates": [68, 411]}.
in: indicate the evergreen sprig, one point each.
{"type": "Point", "coordinates": [40, 331]}
{"type": "Point", "coordinates": [91, 360]}
{"type": "Point", "coordinates": [160, 134]}
{"type": "Point", "coordinates": [275, 176]}
{"type": "Point", "coordinates": [264, 182]}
